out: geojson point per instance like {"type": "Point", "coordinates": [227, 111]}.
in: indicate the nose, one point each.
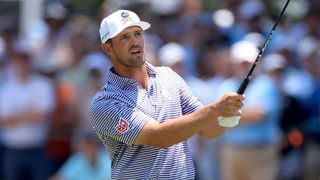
{"type": "Point", "coordinates": [136, 42]}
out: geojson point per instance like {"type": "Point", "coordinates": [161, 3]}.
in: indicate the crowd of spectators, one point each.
{"type": "Point", "coordinates": [49, 75]}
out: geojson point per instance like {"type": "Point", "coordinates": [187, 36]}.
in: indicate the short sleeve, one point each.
{"type": "Point", "coordinates": [189, 103]}
{"type": "Point", "coordinates": [117, 120]}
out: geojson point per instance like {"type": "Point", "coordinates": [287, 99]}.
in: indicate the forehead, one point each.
{"type": "Point", "coordinates": [129, 30]}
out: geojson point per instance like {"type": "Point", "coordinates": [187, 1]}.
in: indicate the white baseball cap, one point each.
{"type": "Point", "coordinates": [116, 22]}
{"type": "Point", "coordinates": [273, 62]}
{"type": "Point", "coordinates": [244, 51]}
{"type": "Point", "coordinates": [171, 53]}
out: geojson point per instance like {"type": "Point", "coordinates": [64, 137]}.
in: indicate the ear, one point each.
{"type": "Point", "coordinates": [106, 48]}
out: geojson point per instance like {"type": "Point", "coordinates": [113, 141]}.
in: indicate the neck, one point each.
{"type": "Point", "coordinates": [139, 74]}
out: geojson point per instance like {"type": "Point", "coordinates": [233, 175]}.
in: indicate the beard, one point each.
{"type": "Point", "coordinates": [137, 61]}
{"type": "Point", "coordinates": [134, 59]}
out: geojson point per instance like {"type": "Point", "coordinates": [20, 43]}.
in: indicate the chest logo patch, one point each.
{"type": "Point", "coordinates": [165, 95]}
{"type": "Point", "coordinates": [122, 126]}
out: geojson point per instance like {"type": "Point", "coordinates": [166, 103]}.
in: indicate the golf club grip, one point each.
{"type": "Point", "coordinates": [243, 86]}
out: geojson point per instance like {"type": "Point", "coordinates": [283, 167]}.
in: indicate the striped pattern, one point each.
{"type": "Point", "coordinates": [167, 97]}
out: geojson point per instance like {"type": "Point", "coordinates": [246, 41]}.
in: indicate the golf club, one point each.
{"type": "Point", "coordinates": [233, 121]}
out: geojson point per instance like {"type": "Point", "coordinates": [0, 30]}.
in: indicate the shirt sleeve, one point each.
{"type": "Point", "coordinates": [117, 120]}
{"type": "Point", "coordinates": [189, 102]}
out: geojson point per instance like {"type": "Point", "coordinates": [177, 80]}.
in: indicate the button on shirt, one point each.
{"type": "Point", "coordinates": [120, 110]}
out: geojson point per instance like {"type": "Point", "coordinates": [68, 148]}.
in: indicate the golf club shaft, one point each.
{"type": "Point", "coordinates": [246, 81]}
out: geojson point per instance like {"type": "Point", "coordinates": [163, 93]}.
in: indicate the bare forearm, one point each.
{"type": "Point", "coordinates": [213, 130]}
{"type": "Point", "coordinates": [6, 122]}
{"type": "Point", "coordinates": [178, 129]}
{"type": "Point", "coordinates": [203, 121]}
{"type": "Point", "coordinates": [184, 127]}
{"type": "Point", "coordinates": [32, 116]}
{"type": "Point", "coordinates": [27, 117]}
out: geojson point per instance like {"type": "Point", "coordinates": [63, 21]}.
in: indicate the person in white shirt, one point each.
{"type": "Point", "coordinates": [27, 99]}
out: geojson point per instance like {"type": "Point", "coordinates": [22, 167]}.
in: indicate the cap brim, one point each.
{"type": "Point", "coordinates": [144, 25]}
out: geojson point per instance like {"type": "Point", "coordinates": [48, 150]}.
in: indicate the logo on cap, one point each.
{"type": "Point", "coordinates": [125, 17]}
{"type": "Point", "coordinates": [106, 35]}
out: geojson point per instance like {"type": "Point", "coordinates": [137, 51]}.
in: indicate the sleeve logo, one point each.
{"type": "Point", "coordinates": [122, 126]}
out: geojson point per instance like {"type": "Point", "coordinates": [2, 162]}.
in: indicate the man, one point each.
{"type": "Point", "coordinates": [249, 151]}
{"type": "Point", "coordinates": [27, 101]}
{"type": "Point", "coordinates": [89, 161]}
{"type": "Point", "coordinates": [145, 114]}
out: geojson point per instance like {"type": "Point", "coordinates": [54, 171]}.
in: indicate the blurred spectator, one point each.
{"type": "Point", "coordinates": [69, 82]}
{"type": "Point", "coordinates": [90, 161]}
{"type": "Point", "coordinates": [2, 78]}
{"type": "Point", "coordinates": [297, 86]}
{"type": "Point", "coordinates": [27, 100]}
{"type": "Point", "coordinates": [241, 11]}
{"type": "Point", "coordinates": [300, 119]}
{"type": "Point", "coordinates": [196, 29]}
{"type": "Point", "coordinates": [252, 15]}
{"type": "Point", "coordinates": [8, 34]}
{"type": "Point", "coordinates": [216, 67]}
{"type": "Point", "coordinates": [2, 61]}
{"type": "Point", "coordinates": [94, 66]}
{"type": "Point", "coordinates": [311, 125]}
{"type": "Point", "coordinates": [275, 66]}
{"type": "Point", "coordinates": [173, 55]}
{"type": "Point", "coordinates": [249, 151]}
{"type": "Point", "coordinates": [7, 37]}
{"type": "Point", "coordinates": [51, 51]}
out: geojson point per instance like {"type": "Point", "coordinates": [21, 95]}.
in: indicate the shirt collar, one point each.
{"type": "Point", "coordinates": [121, 82]}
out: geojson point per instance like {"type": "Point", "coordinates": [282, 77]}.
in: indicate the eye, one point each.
{"type": "Point", "coordinates": [124, 37]}
{"type": "Point", "coordinates": [139, 33]}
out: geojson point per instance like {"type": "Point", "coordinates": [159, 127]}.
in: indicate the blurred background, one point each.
{"type": "Point", "coordinates": [51, 65]}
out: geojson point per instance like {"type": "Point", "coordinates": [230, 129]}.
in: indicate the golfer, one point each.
{"type": "Point", "coordinates": [144, 114]}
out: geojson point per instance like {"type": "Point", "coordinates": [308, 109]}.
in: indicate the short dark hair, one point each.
{"type": "Point", "coordinates": [109, 41]}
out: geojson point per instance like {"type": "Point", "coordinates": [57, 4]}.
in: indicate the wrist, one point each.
{"type": "Point", "coordinates": [213, 111]}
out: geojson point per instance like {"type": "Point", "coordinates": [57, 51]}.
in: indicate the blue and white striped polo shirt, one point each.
{"type": "Point", "coordinates": [120, 110]}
